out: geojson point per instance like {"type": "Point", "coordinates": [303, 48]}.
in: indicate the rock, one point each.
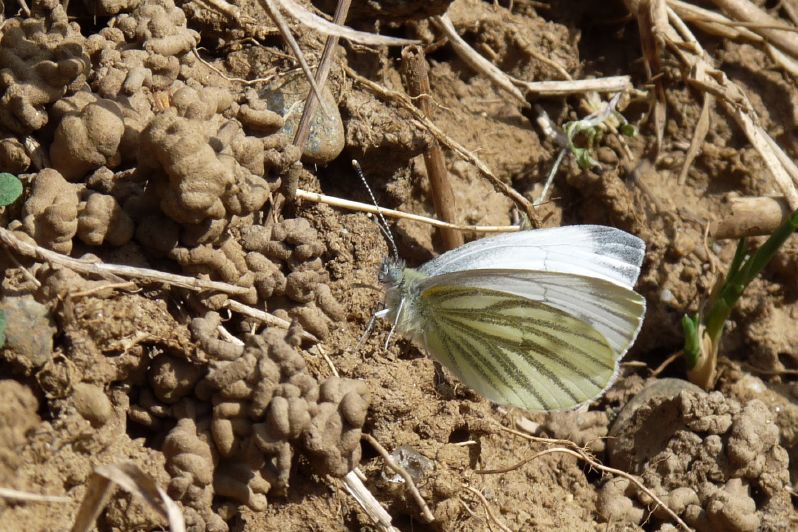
{"type": "Point", "coordinates": [326, 139]}
{"type": "Point", "coordinates": [92, 404]}
{"type": "Point", "coordinates": [29, 333]}
{"type": "Point", "coordinates": [628, 443]}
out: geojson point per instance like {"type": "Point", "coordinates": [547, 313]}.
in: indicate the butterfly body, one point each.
{"type": "Point", "coordinates": [535, 319]}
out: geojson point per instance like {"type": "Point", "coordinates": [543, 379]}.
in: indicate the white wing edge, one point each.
{"type": "Point", "coordinates": [588, 250]}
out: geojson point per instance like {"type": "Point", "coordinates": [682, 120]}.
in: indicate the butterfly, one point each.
{"type": "Point", "coordinates": [536, 319]}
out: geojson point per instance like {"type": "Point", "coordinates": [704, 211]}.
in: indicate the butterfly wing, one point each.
{"type": "Point", "coordinates": [588, 250]}
{"type": "Point", "coordinates": [532, 339]}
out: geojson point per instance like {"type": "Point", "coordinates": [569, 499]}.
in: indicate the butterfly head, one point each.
{"type": "Point", "coordinates": [391, 271]}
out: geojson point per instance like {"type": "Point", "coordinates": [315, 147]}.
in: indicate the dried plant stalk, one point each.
{"type": "Point", "coordinates": [416, 76]}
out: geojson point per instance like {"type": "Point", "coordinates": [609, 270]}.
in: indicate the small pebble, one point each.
{"type": "Point", "coordinates": [91, 402]}
{"type": "Point", "coordinates": [29, 331]}
{"type": "Point", "coordinates": [326, 140]}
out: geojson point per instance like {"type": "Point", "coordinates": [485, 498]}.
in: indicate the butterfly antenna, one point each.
{"type": "Point", "coordinates": [383, 224]}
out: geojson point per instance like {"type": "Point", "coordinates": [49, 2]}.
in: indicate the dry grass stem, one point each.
{"type": "Point", "coordinates": [320, 25]}
{"type": "Point", "coordinates": [24, 496]}
{"type": "Point", "coordinates": [232, 79]}
{"type": "Point", "coordinates": [421, 121]}
{"type": "Point", "coordinates": [399, 470]}
{"type": "Point", "coordinates": [274, 13]}
{"type": "Point", "coordinates": [312, 103]}
{"type": "Point", "coordinates": [488, 509]}
{"type": "Point", "coordinates": [130, 478]}
{"type": "Point", "coordinates": [652, 19]}
{"type": "Point", "coordinates": [701, 128]}
{"type": "Point", "coordinates": [732, 98]}
{"type": "Point", "coordinates": [576, 451]}
{"type": "Point", "coordinates": [667, 362]}
{"type": "Point", "coordinates": [367, 501]}
{"type": "Point", "coordinates": [750, 216]}
{"type": "Point", "coordinates": [416, 77]}
{"type": "Point", "coordinates": [575, 86]}
{"type": "Point", "coordinates": [126, 285]}
{"type": "Point", "coordinates": [745, 11]}
{"type": "Point", "coordinates": [712, 22]}
{"type": "Point", "coordinates": [476, 61]}
{"type": "Point", "coordinates": [264, 317]}
{"type": "Point", "coordinates": [365, 207]}
{"type": "Point", "coordinates": [102, 269]}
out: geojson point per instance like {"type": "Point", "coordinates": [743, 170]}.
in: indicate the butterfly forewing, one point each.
{"type": "Point", "coordinates": [513, 349]}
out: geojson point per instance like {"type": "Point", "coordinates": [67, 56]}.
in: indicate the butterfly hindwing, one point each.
{"type": "Point", "coordinates": [513, 349]}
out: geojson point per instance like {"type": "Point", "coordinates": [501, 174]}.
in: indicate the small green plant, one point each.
{"type": "Point", "coordinates": [10, 189]}
{"type": "Point", "coordinates": [590, 129]}
{"type": "Point", "coordinates": [703, 331]}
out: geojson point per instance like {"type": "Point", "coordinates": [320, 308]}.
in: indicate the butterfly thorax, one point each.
{"type": "Point", "coordinates": [403, 290]}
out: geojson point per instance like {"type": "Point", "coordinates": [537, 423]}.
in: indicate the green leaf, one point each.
{"type": "Point", "coordinates": [628, 130]}
{"type": "Point", "coordinates": [10, 189]}
{"type": "Point", "coordinates": [692, 343]}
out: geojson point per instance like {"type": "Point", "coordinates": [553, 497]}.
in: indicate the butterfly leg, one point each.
{"type": "Point", "coordinates": [395, 322]}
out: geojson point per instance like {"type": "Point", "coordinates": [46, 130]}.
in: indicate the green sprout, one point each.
{"type": "Point", "coordinates": [703, 331]}
{"type": "Point", "coordinates": [590, 128]}
{"type": "Point", "coordinates": [10, 189]}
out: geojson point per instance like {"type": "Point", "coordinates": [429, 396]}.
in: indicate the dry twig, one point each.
{"type": "Point", "coordinates": [131, 479]}
{"type": "Point", "coordinates": [488, 509]}
{"type": "Point", "coordinates": [24, 496]}
{"type": "Point", "coordinates": [102, 269]}
{"type": "Point", "coordinates": [750, 216]}
{"type": "Point", "coordinates": [399, 470]}
{"type": "Point", "coordinates": [367, 501]}
{"type": "Point", "coordinates": [416, 76]}
{"type": "Point", "coordinates": [265, 317]}
{"type": "Point", "coordinates": [312, 103]}
{"type": "Point", "coordinates": [366, 207]}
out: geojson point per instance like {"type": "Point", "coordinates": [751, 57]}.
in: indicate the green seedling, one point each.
{"type": "Point", "coordinates": [590, 129]}
{"type": "Point", "coordinates": [703, 331]}
{"type": "Point", "coordinates": [10, 189]}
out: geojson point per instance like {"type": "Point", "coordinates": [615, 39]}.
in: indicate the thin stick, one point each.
{"type": "Point", "coordinates": [365, 207]}
{"type": "Point", "coordinates": [25, 496]}
{"type": "Point", "coordinates": [312, 103]}
{"type": "Point", "coordinates": [265, 317]}
{"type": "Point", "coordinates": [274, 13]}
{"type": "Point", "coordinates": [750, 216]}
{"type": "Point", "coordinates": [99, 268]}
{"type": "Point", "coordinates": [611, 84]}
{"type": "Point", "coordinates": [229, 78]}
{"type": "Point", "coordinates": [367, 501]}
{"type": "Point", "coordinates": [488, 509]}
{"type": "Point", "coordinates": [447, 141]}
{"type": "Point", "coordinates": [109, 286]}
{"type": "Point", "coordinates": [667, 362]}
{"type": "Point", "coordinates": [402, 472]}
{"type": "Point", "coordinates": [416, 76]}
{"type": "Point", "coordinates": [745, 11]}
{"type": "Point", "coordinates": [476, 61]}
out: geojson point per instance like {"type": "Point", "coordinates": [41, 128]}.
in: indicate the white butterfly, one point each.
{"type": "Point", "coordinates": [536, 319]}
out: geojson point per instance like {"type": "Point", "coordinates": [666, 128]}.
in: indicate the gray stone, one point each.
{"type": "Point", "coordinates": [287, 98]}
